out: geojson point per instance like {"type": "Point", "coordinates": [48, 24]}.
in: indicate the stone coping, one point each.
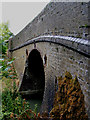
{"type": "Point", "coordinates": [77, 44]}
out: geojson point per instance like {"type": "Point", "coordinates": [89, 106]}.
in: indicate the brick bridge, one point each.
{"type": "Point", "coordinates": [57, 40]}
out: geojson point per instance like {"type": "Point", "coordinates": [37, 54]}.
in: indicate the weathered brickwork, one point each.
{"type": "Point", "coordinates": [61, 33]}
{"type": "Point", "coordinates": [68, 19]}
{"type": "Point", "coordinates": [59, 60]}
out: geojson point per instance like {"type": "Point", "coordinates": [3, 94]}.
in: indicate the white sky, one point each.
{"type": "Point", "coordinates": [19, 14]}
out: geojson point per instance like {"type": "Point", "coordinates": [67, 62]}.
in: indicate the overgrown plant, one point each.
{"type": "Point", "coordinates": [14, 107]}
{"type": "Point", "coordinates": [69, 100]}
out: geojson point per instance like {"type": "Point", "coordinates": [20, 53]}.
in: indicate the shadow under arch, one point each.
{"type": "Point", "coordinates": [34, 77]}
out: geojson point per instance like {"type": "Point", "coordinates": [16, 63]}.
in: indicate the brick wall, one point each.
{"type": "Point", "coordinates": [58, 18]}
{"type": "Point", "coordinates": [63, 52]}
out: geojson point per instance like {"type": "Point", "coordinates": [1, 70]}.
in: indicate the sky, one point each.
{"type": "Point", "coordinates": [19, 14]}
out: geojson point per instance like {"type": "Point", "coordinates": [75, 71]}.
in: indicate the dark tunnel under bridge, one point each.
{"type": "Point", "coordinates": [33, 82]}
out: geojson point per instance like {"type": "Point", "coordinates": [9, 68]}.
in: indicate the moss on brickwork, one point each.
{"type": "Point", "coordinates": [69, 100]}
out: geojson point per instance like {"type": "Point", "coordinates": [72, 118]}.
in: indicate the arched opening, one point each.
{"type": "Point", "coordinates": [34, 78]}
{"type": "Point", "coordinates": [35, 64]}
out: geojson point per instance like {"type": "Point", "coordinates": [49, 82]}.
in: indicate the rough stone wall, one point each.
{"type": "Point", "coordinates": [59, 60]}
{"type": "Point", "coordinates": [58, 18]}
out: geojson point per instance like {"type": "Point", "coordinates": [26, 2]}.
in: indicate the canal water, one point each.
{"type": "Point", "coordinates": [34, 101]}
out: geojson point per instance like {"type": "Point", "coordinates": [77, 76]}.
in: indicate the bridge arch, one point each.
{"type": "Point", "coordinates": [34, 77]}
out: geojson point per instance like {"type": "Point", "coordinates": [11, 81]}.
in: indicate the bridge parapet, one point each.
{"type": "Point", "coordinates": [80, 45]}
{"type": "Point", "coordinates": [65, 19]}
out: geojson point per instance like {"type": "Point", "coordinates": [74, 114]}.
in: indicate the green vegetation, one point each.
{"type": "Point", "coordinates": [14, 107]}
{"type": "Point", "coordinates": [5, 34]}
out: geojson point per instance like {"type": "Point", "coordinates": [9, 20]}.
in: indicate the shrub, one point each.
{"type": "Point", "coordinates": [69, 100]}
{"type": "Point", "coordinates": [14, 107]}
{"type": "Point", "coordinates": [5, 34]}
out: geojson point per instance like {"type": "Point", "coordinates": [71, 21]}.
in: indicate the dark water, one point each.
{"type": "Point", "coordinates": [33, 101]}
